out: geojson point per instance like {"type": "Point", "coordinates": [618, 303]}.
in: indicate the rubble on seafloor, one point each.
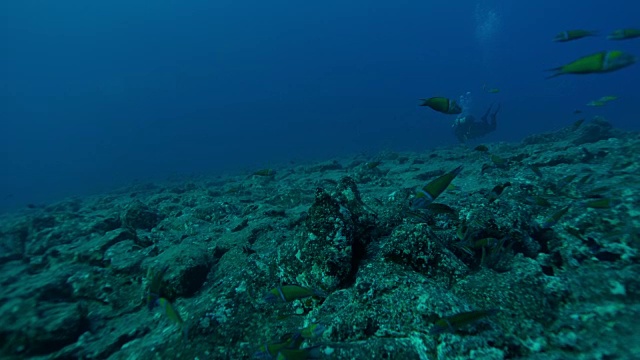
{"type": "Point", "coordinates": [554, 255]}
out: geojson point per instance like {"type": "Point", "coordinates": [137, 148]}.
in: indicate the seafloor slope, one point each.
{"type": "Point", "coordinates": [541, 237]}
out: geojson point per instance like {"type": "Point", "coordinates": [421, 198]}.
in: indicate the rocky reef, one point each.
{"type": "Point", "coordinates": [532, 252]}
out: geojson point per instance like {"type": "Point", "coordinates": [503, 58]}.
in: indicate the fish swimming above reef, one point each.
{"type": "Point", "coordinates": [173, 315]}
{"type": "Point", "coordinates": [624, 34]}
{"type": "Point", "coordinates": [571, 35]}
{"type": "Point", "coordinates": [286, 293]}
{"type": "Point", "coordinates": [432, 190]}
{"type": "Point", "coordinates": [601, 62]}
{"type": "Point", "coordinates": [457, 321]}
{"type": "Point", "coordinates": [443, 105]}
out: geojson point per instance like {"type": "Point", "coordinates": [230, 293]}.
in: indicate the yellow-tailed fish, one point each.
{"type": "Point", "coordinates": [271, 350]}
{"type": "Point", "coordinates": [570, 35]}
{"type": "Point", "coordinates": [155, 285]}
{"type": "Point", "coordinates": [312, 331]}
{"type": "Point", "coordinates": [443, 105]}
{"type": "Point", "coordinates": [286, 293]}
{"type": "Point", "coordinates": [608, 98]}
{"type": "Point", "coordinates": [596, 103]}
{"type": "Point", "coordinates": [624, 34]}
{"type": "Point", "coordinates": [576, 124]}
{"type": "Point", "coordinates": [457, 321]}
{"type": "Point", "coordinates": [432, 190]}
{"type": "Point", "coordinates": [553, 219]}
{"type": "Point", "coordinates": [264, 172]}
{"type": "Point", "coordinates": [490, 90]}
{"type": "Point", "coordinates": [603, 203]}
{"type": "Point", "coordinates": [173, 315]}
{"type": "Point", "coordinates": [498, 161]}
{"type": "Point", "coordinates": [496, 191]}
{"type": "Point", "coordinates": [601, 62]}
{"type": "Point", "coordinates": [536, 169]}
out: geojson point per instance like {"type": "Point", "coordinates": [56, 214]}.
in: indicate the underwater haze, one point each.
{"type": "Point", "coordinates": [97, 94]}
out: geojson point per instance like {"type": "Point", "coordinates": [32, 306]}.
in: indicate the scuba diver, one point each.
{"type": "Point", "coordinates": [467, 128]}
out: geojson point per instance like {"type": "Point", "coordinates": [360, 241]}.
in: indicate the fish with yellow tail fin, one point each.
{"type": "Point", "coordinates": [624, 34]}
{"type": "Point", "coordinates": [432, 190]}
{"type": "Point", "coordinates": [173, 315]}
{"type": "Point", "coordinates": [443, 105]}
{"type": "Point", "coordinates": [287, 293]}
{"type": "Point", "coordinates": [571, 35]}
{"type": "Point", "coordinates": [457, 321]}
{"type": "Point", "coordinates": [601, 62]}
{"type": "Point", "coordinates": [490, 90]}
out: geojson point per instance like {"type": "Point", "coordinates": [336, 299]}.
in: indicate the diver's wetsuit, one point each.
{"type": "Point", "coordinates": [467, 128]}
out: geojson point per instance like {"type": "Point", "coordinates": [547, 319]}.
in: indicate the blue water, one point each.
{"type": "Point", "coordinates": [94, 95]}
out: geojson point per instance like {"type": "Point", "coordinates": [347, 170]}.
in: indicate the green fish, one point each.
{"type": "Point", "coordinates": [264, 172]}
{"type": "Point", "coordinates": [608, 98]}
{"type": "Point", "coordinates": [432, 190]}
{"type": "Point", "coordinates": [490, 90]}
{"type": "Point", "coordinates": [536, 169]}
{"type": "Point", "coordinates": [457, 321]}
{"type": "Point", "coordinates": [601, 62]}
{"type": "Point", "coordinates": [498, 161]}
{"type": "Point", "coordinates": [553, 219]}
{"type": "Point", "coordinates": [271, 350]}
{"type": "Point", "coordinates": [603, 203]}
{"type": "Point", "coordinates": [624, 34]}
{"type": "Point", "coordinates": [571, 35]}
{"type": "Point", "coordinates": [443, 105]}
{"type": "Point", "coordinates": [497, 191]}
{"type": "Point", "coordinates": [481, 148]}
{"type": "Point", "coordinates": [596, 103]}
{"type": "Point", "coordinates": [173, 315]}
{"type": "Point", "coordinates": [155, 285]}
{"type": "Point", "coordinates": [286, 293]}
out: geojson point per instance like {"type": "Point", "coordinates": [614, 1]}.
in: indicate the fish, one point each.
{"type": "Point", "coordinates": [535, 169]}
{"type": "Point", "coordinates": [499, 162]}
{"type": "Point", "coordinates": [427, 194]}
{"type": "Point", "coordinates": [287, 293]}
{"type": "Point", "coordinates": [173, 315]}
{"type": "Point", "coordinates": [490, 90]}
{"type": "Point", "coordinates": [624, 34]}
{"type": "Point", "coordinates": [576, 125]}
{"type": "Point", "coordinates": [538, 200]}
{"type": "Point", "coordinates": [602, 203]}
{"type": "Point", "coordinates": [271, 350]}
{"type": "Point", "coordinates": [372, 164]}
{"type": "Point", "coordinates": [553, 219]}
{"type": "Point", "coordinates": [443, 105]}
{"type": "Point", "coordinates": [577, 111]}
{"type": "Point", "coordinates": [571, 35]}
{"type": "Point", "coordinates": [481, 148]}
{"type": "Point", "coordinates": [312, 331]}
{"type": "Point", "coordinates": [155, 286]}
{"type": "Point", "coordinates": [596, 103]}
{"type": "Point", "coordinates": [457, 321]}
{"type": "Point", "coordinates": [497, 191]}
{"type": "Point", "coordinates": [437, 208]}
{"type": "Point", "coordinates": [608, 98]}
{"type": "Point", "coordinates": [600, 62]}
{"type": "Point", "coordinates": [264, 172]}
{"type": "Point", "coordinates": [562, 183]}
